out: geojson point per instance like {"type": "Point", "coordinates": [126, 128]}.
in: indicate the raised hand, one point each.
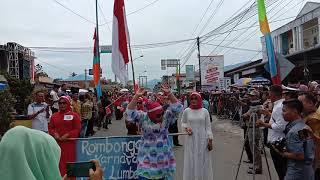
{"type": "Point", "coordinates": [165, 89]}
{"type": "Point", "coordinates": [141, 92]}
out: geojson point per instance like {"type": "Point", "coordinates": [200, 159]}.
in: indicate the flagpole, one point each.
{"type": "Point", "coordinates": [97, 43]}
{"type": "Point", "coordinates": [132, 67]}
{"type": "Point", "coordinates": [97, 32]}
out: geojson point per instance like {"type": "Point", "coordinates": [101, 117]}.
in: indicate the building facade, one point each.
{"type": "Point", "coordinates": [17, 61]}
{"type": "Point", "coordinates": [298, 41]}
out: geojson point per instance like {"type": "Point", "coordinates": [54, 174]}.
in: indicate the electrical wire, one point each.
{"type": "Point", "coordinates": [105, 19]}
{"type": "Point", "coordinates": [234, 48]}
{"type": "Point", "coordinates": [56, 67]}
{"type": "Point", "coordinates": [133, 12]}
{"type": "Point", "coordinates": [73, 12]}
{"type": "Point", "coordinates": [272, 17]}
{"type": "Point", "coordinates": [180, 54]}
{"type": "Point", "coordinates": [211, 17]}
{"type": "Point", "coordinates": [191, 49]}
{"type": "Point", "coordinates": [250, 35]}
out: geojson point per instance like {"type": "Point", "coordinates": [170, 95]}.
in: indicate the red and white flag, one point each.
{"type": "Point", "coordinates": [120, 39]}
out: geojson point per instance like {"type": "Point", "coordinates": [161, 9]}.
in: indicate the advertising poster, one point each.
{"type": "Point", "coordinates": [189, 72]}
{"type": "Point", "coordinates": [211, 71]}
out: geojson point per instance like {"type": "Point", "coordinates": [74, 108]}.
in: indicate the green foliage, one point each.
{"type": "Point", "coordinates": [6, 107]}
{"type": "Point", "coordinates": [21, 90]}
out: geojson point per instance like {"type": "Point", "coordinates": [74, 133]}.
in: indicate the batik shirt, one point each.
{"type": "Point", "coordinates": [155, 155]}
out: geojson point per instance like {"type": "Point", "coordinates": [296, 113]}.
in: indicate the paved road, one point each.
{"type": "Point", "coordinates": [228, 143]}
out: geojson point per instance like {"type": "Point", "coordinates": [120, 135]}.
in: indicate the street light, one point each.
{"type": "Point", "coordinates": [138, 57]}
{"type": "Point", "coordinates": [142, 77]}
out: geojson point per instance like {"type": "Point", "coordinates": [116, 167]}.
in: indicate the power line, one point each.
{"type": "Point", "coordinates": [73, 12]}
{"type": "Point", "coordinates": [142, 46]}
{"type": "Point", "coordinates": [180, 54]}
{"type": "Point", "coordinates": [202, 17]}
{"type": "Point", "coordinates": [232, 29]}
{"type": "Point", "coordinates": [56, 67]}
{"type": "Point", "coordinates": [272, 17]}
{"type": "Point", "coordinates": [105, 19]}
{"type": "Point", "coordinates": [191, 50]}
{"type": "Point", "coordinates": [251, 34]}
{"type": "Point", "coordinates": [211, 17]}
{"type": "Point", "coordinates": [235, 18]}
{"type": "Point", "coordinates": [133, 12]}
{"type": "Point", "coordinates": [235, 48]}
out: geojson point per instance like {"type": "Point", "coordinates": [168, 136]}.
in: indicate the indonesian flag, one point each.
{"type": "Point", "coordinates": [120, 39]}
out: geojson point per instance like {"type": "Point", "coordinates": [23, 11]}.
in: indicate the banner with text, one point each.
{"type": "Point", "coordinates": [211, 70]}
{"type": "Point", "coordinates": [189, 72]}
{"type": "Point", "coordinates": [117, 155]}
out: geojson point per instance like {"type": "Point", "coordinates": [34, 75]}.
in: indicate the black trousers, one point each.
{"type": "Point", "coordinates": [90, 127]}
{"type": "Point", "coordinates": [247, 145]}
{"type": "Point", "coordinates": [317, 174]}
{"type": "Point", "coordinates": [174, 129]}
{"type": "Point", "coordinates": [118, 114]}
{"type": "Point", "coordinates": [279, 162]}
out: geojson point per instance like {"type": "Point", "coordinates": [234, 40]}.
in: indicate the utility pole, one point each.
{"type": "Point", "coordinates": [85, 79]}
{"type": "Point", "coordinates": [132, 67]}
{"type": "Point", "coordinates": [198, 43]}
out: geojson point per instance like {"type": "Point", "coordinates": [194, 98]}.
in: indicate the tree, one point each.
{"type": "Point", "coordinates": [39, 72]}
{"type": "Point", "coordinates": [73, 74]}
{"type": "Point", "coordinates": [21, 90]}
{"type": "Point", "coordinates": [6, 108]}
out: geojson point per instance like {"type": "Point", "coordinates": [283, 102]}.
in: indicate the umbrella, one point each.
{"type": "Point", "coordinates": [260, 81]}
{"type": "Point", "coordinates": [124, 90]}
{"type": "Point", "coordinates": [243, 82]}
{"type": "Point", "coordinates": [83, 91]}
{"type": "Point", "coordinates": [3, 86]}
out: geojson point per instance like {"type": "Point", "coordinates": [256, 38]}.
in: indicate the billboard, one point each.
{"type": "Point", "coordinates": [211, 70]}
{"type": "Point", "coordinates": [189, 72]}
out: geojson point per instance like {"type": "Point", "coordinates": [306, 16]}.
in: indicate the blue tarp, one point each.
{"type": "Point", "coordinates": [3, 86]}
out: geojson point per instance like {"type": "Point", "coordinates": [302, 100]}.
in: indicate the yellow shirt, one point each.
{"type": "Point", "coordinates": [76, 106]}
{"type": "Point", "coordinates": [313, 121]}
{"type": "Point", "coordinates": [86, 110]}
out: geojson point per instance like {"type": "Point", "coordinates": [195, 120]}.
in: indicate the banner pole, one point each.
{"type": "Point", "coordinates": [172, 134]}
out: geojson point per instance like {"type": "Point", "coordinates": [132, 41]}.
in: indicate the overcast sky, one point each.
{"type": "Point", "coordinates": [45, 23]}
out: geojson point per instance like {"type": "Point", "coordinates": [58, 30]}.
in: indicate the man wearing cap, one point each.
{"type": "Point", "coordinates": [254, 131]}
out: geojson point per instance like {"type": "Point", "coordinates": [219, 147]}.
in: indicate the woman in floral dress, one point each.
{"type": "Point", "coordinates": [155, 156]}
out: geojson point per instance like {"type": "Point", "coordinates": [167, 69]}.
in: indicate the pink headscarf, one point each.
{"type": "Point", "coordinates": [68, 101]}
{"type": "Point", "coordinates": [199, 99]}
{"type": "Point", "coordinates": [153, 109]}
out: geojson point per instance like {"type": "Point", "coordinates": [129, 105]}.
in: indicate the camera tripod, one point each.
{"type": "Point", "coordinates": [253, 118]}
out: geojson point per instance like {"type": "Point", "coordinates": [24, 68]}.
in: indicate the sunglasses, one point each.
{"type": "Point", "coordinates": [193, 99]}
{"type": "Point", "coordinates": [62, 103]}
{"type": "Point", "coordinates": [139, 102]}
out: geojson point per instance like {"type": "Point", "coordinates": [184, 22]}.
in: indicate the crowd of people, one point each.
{"type": "Point", "coordinates": [286, 120]}
{"type": "Point", "coordinates": [64, 116]}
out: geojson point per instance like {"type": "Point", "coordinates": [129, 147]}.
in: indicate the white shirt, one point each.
{"type": "Point", "coordinates": [278, 124]}
{"type": "Point", "coordinates": [55, 98]}
{"type": "Point", "coordinates": [40, 122]}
